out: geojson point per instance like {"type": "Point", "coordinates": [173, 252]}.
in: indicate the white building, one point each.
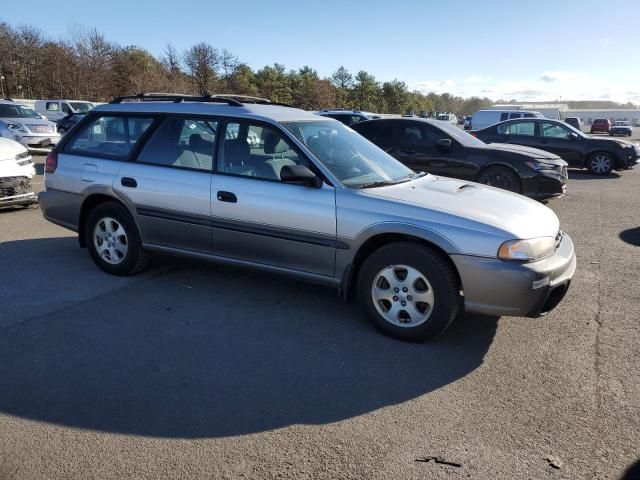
{"type": "Point", "coordinates": [548, 109]}
{"type": "Point", "coordinates": [589, 115]}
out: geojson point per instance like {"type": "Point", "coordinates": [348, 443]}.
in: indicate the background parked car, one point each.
{"type": "Point", "coordinates": [575, 122]}
{"type": "Point", "coordinates": [69, 121]}
{"type": "Point", "coordinates": [448, 117]}
{"type": "Point", "coordinates": [26, 126]}
{"type": "Point", "coordinates": [442, 149]}
{"type": "Point", "coordinates": [484, 118]}
{"type": "Point", "coordinates": [348, 117]}
{"type": "Point", "coordinates": [56, 110]}
{"type": "Point", "coordinates": [599, 155]}
{"type": "Point", "coordinates": [601, 125]}
{"type": "Point", "coordinates": [621, 128]}
{"type": "Point", "coordinates": [16, 172]}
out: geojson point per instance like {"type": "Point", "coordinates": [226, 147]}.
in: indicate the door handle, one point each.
{"type": "Point", "coordinates": [408, 152]}
{"type": "Point", "coordinates": [227, 197]}
{"type": "Point", "coordinates": [128, 182]}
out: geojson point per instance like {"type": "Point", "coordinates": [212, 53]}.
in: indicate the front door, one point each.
{"type": "Point", "coordinates": [256, 217]}
{"type": "Point", "coordinates": [558, 139]}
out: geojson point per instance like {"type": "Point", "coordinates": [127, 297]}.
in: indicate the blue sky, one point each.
{"type": "Point", "coordinates": [569, 49]}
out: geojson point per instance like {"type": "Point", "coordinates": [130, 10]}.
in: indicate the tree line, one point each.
{"type": "Point", "coordinates": [86, 66]}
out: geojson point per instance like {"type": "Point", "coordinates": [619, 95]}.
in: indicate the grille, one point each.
{"type": "Point", "coordinates": [12, 186]}
{"type": "Point", "coordinates": [559, 239]}
{"type": "Point", "coordinates": [41, 128]}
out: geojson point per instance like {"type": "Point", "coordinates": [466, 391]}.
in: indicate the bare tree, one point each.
{"type": "Point", "coordinates": [203, 61]}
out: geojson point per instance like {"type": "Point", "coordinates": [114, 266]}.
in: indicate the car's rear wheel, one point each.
{"type": "Point", "coordinates": [113, 240]}
{"type": "Point", "coordinates": [501, 177]}
{"type": "Point", "coordinates": [409, 291]}
{"type": "Point", "coordinates": [600, 163]}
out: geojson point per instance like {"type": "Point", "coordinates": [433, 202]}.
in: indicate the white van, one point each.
{"type": "Point", "coordinates": [448, 117]}
{"type": "Point", "coordinates": [484, 118]}
{"type": "Point", "coordinates": [56, 110]}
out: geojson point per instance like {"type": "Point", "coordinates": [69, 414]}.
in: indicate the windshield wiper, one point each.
{"type": "Point", "coordinates": [382, 183]}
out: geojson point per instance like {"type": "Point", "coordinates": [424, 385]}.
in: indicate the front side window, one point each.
{"type": "Point", "coordinates": [108, 135]}
{"type": "Point", "coordinates": [351, 158]}
{"type": "Point", "coordinates": [183, 143]}
{"type": "Point", "coordinates": [515, 115]}
{"type": "Point", "coordinates": [518, 128]}
{"type": "Point", "coordinates": [81, 107]}
{"type": "Point", "coordinates": [504, 116]}
{"type": "Point", "coordinates": [552, 130]}
{"type": "Point", "coordinates": [257, 150]}
{"type": "Point", "coordinates": [66, 108]}
{"type": "Point", "coordinates": [53, 107]}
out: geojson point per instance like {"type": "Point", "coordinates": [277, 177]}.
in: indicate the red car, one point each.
{"type": "Point", "coordinates": [601, 125]}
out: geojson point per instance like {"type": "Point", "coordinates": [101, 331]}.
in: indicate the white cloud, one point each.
{"type": "Point", "coordinates": [547, 86]}
{"type": "Point", "coordinates": [478, 79]}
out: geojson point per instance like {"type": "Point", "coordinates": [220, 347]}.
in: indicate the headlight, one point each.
{"type": "Point", "coordinates": [527, 250]}
{"type": "Point", "coordinates": [17, 127]}
{"type": "Point", "coordinates": [542, 165]}
{"type": "Point", "coordinates": [23, 158]}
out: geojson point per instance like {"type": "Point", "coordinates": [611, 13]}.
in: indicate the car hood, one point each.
{"type": "Point", "coordinates": [28, 121]}
{"type": "Point", "coordinates": [529, 151]}
{"type": "Point", "coordinates": [9, 149]}
{"type": "Point", "coordinates": [609, 141]}
{"type": "Point", "coordinates": [513, 215]}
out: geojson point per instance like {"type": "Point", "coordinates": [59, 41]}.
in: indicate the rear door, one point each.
{"type": "Point", "coordinates": [258, 218]}
{"type": "Point", "coordinates": [169, 183]}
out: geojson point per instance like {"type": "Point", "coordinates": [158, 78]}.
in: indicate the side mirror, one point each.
{"type": "Point", "coordinates": [300, 175]}
{"type": "Point", "coordinates": [444, 144]}
{"type": "Point", "coordinates": [573, 136]}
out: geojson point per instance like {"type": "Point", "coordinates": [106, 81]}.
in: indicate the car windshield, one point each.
{"type": "Point", "coordinates": [351, 158]}
{"type": "Point", "coordinates": [460, 135]}
{"type": "Point", "coordinates": [622, 124]}
{"type": "Point", "coordinates": [17, 111]}
{"type": "Point", "coordinates": [81, 107]}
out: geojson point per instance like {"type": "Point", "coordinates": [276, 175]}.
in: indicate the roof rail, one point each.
{"type": "Point", "coordinates": [250, 99]}
{"type": "Point", "coordinates": [176, 98]}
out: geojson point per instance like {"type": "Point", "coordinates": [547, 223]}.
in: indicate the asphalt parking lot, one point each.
{"type": "Point", "coordinates": [200, 371]}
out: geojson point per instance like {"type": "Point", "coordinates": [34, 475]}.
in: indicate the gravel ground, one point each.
{"type": "Point", "coordinates": [201, 371]}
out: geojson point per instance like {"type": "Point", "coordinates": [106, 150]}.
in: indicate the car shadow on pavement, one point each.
{"type": "Point", "coordinates": [580, 174]}
{"type": "Point", "coordinates": [631, 236]}
{"type": "Point", "coordinates": [199, 350]}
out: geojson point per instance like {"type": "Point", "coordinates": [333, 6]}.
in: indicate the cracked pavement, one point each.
{"type": "Point", "coordinates": [200, 371]}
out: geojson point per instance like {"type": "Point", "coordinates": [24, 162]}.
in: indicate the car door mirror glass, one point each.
{"type": "Point", "coordinates": [300, 175]}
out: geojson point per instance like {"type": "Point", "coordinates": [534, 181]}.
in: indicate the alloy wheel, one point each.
{"type": "Point", "coordinates": [402, 296]}
{"type": "Point", "coordinates": [601, 164]}
{"type": "Point", "coordinates": [110, 240]}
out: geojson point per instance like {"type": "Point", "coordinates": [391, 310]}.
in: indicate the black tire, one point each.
{"type": "Point", "coordinates": [61, 130]}
{"type": "Point", "coordinates": [431, 264]}
{"type": "Point", "coordinates": [594, 163]}
{"type": "Point", "coordinates": [136, 258]}
{"type": "Point", "coordinates": [500, 177]}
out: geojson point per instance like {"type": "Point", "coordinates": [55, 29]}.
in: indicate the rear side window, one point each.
{"type": "Point", "coordinates": [504, 116]}
{"type": "Point", "coordinates": [380, 133]}
{"type": "Point", "coordinates": [529, 115]}
{"type": "Point", "coordinates": [517, 128]}
{"type": "Point", "coordinates": [183, 143]}
{"type": "Point", "coordinates": [53, 106]}
{"type": "Point", "coordinates": [109, 136]}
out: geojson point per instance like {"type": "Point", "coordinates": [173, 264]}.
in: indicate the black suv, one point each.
{"type": "Point", "coordinates": [599, 155]}
{"type": "Point", "coordinates": [443, 149]}
{"type": "Point", "coordinates": [348, 117]}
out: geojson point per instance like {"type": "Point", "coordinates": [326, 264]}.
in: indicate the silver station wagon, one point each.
{"type": "Point", "coordinates": [244, 181]}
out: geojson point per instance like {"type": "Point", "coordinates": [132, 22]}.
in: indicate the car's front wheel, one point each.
{"type": "Point", "coordinates": [501, 177]}
{"type": "Point", "coordinates": [113, 240]}
{"type": "Point", "coordinates": [409, 291]}
{"type": "Point", "coordinates": [600, 163]}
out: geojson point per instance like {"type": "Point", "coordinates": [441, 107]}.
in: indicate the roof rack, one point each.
{"type": "Point", "coordinates": [176, 98]}
{"type": "Point", "coordinates": [230, 99]}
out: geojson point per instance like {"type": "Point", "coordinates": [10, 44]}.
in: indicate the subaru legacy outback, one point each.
{"type": "Point", "coordinates": [291, 192]}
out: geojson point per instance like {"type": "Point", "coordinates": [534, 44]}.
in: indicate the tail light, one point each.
{"type": "Point", "coordinates": [51, 163]}
{"type": "Point", "coordinates": [475, 134]}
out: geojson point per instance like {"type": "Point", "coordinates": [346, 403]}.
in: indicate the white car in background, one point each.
{"type": "Point", "coordinates": [16, 172]}
{"type": "Point", "coordinates": [27, 127]}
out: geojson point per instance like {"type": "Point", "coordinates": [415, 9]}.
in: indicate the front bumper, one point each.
{"type": "Point", "coordinates": [545, 184]}
{"type": "Point", "coordinates": [496, 287]}
{"type": "Point", "coordinates": [38, 142]}
{"type": "Point", "coordinates": [16, 191]}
